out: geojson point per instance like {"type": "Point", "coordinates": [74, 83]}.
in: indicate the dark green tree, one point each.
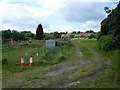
{"type": "Point", "coordinates": [74, 32]}
{"type": "Point", "coordinates": [39, 32]}
{"type": "Point", "coordinates": [78, 32]}
{"type": "Point", "coordinates": [111, 26]}
{"type": "Point", "coordinates": [107, 10]}
{"type": "Point", "coordinates": [89, 31]}
{"type": "Point", "coordinates": [6, 34]}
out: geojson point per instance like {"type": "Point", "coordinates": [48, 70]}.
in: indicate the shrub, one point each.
{"type": "Point", "coordinates": [4, 61]}
{"type": "Point", "coordinates": [91, 36]}
{"type": "Point", "coordinates": [83, 36]}
{"type": "Point", "coordinates": [107, 43]}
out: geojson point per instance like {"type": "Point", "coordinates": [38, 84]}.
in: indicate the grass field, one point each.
{"type": "Point", "coordinates": [51, 59]}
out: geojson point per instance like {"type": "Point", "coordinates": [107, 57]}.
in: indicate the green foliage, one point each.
{"type": "Point", "coordinates": [8, 35]}
{"type": "Point", "coordinates": [89, 31]}
{"type": "Point", "coordinates": [111, 26]}
{"type": "Point", "coordinates": [77, 36]}
{"type": "Point", "coordinates": [91, 36]}
{"type": "Point", "coordinates": [107, 10]}
{"type": "Point", "coordinates": [97, 35]}
{"type": "Point", "coordinates": [69, 35]}
{"type": "Point", "coordinates": [74, 32]}
{"type": "Point", "coordinates": [55, 35]}
{"type": "Point", "coordinates": [107, 43]}
{"type": "Point", "coordinates": [39, 32]}
{"type": "Point", "coordinates": [83, 36]}
{"type": "Point", "coordinates": [78, 32]}
{"type": "Point", "coordinates": [4, 61]}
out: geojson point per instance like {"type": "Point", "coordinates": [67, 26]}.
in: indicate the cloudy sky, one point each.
{"type": "Point", "coordinates": [54, 15]}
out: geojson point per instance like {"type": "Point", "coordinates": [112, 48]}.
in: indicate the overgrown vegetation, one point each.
{"type": "Point", "coordinates": [107, 43]}
{"type": "Point", "coordinates": [111, 26]}
{"type": "Point", "coordinates": [47, 56]}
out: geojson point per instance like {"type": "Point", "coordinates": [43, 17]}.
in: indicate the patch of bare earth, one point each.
{"type": "Point", "coordinates": [64, 82]}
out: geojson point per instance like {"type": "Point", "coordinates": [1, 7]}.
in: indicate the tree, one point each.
{"type": "Point", "coordinates": [6, 34]}
{"type": "Point", "coordinates": [111, 26]}
{"type": "Point", "coordinates": [78, 32]}
{"type": "Point", "coordinates": [89, 31]}
{"type": "Point", "coordinates": [74, 32]}
{"type": "Point", "coordinates": [15, 36]}
{"type": "Point", "coordinates": [56, 35]}
{"type": "Point", "coordinates": [91, 36]}
{"type": "Point", "coordinates": [28, 34]}
{"type": "Point", "coordinates": [39, 32]}
{"type": "Point", "coordinates": [107, 10]}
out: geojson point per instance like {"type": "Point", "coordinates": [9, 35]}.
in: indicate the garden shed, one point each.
{"type": "Point", "coordinates": [51, 43]}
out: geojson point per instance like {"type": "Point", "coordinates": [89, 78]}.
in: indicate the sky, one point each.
{"type": "Point", "coordinates": [54, 15]}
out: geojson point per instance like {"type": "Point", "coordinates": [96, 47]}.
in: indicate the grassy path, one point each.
{"type": "Point", "coordinates": [65, 81]}
{"type": "Point", "coordinates": [83, 65]}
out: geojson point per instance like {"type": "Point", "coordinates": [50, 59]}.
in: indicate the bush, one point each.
{"type": "Point", "coordinates": [83, 36]}
{"type": "Point", "coordinates": [4, 61]}
{"type": "Point", "coordinates": [107, 43]}
{"type": "Point", "coordinates": [91, 36]}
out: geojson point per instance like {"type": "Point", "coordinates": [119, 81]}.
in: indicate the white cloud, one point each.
{"type": "Point", "coordinates": [22, 17]}
{"type": "Point", "coordinates": [81, 12]}
{"type": "Point", "coordinates": [27, 14]}
{"type": "Point", "coordinates": [92, 24]}
{"type": "Point", "coordinates": [62, 28]}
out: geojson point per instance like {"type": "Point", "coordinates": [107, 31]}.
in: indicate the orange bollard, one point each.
{"type": "Point", "coordinates": [31, 61]}
{"type": "Point", "coordinates": [22, 61]}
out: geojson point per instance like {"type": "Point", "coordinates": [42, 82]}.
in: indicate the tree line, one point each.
{"type": "Point", "coordinates": [8, 35]}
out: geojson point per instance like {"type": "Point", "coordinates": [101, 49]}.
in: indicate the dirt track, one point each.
{"type": "Point", "coordinates": [65, 81]}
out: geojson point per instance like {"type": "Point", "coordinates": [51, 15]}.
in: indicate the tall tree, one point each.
{"type": "Point", "coordinates": [39, 32]}
{"type": "Point", "coordinates": [111, 26]}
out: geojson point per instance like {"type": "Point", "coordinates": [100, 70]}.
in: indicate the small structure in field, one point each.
{"type": "Point", "coordinates": [51, 43]}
